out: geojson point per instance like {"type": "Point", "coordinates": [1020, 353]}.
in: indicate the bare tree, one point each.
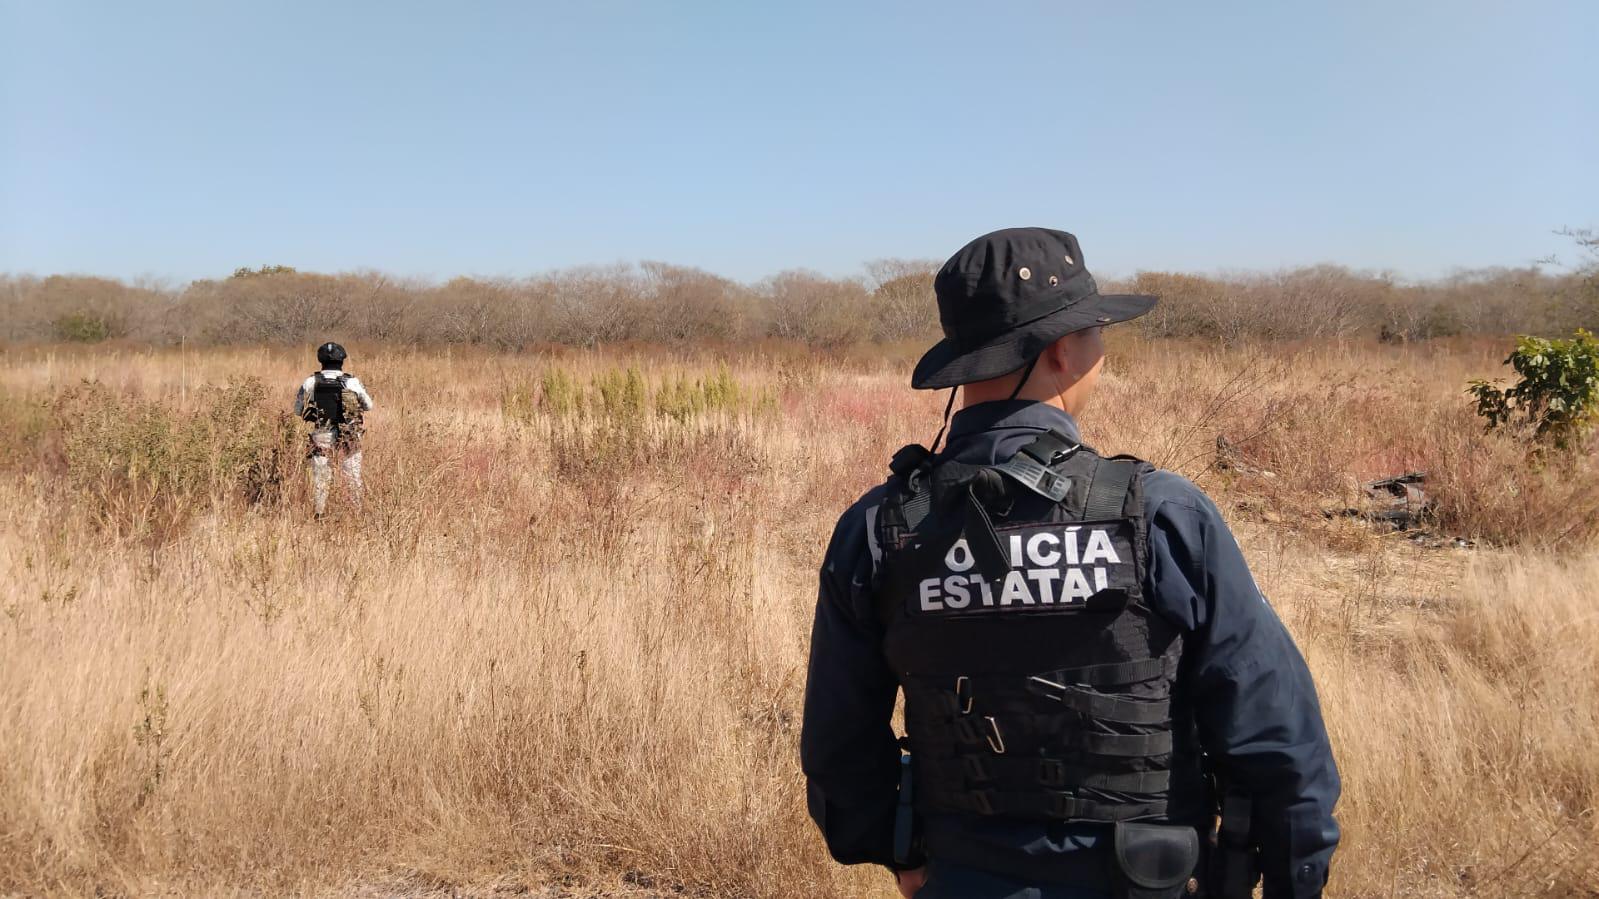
{"type": "Point", "coordinates": [902, 298]}
{"type": "Point", "coordinates": [814, 309]}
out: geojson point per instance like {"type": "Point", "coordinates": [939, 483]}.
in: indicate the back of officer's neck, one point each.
{"type": "Point", "coordinates": [1001, 389]}
{"type": "Point", "coordinates": [1053, 402]}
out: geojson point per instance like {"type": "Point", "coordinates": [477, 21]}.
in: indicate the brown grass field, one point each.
{"type": "Point", "coordinates": [561, 649]}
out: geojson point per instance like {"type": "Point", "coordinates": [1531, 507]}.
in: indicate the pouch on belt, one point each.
{"type": "Point", "coordinates": [1154, 861]}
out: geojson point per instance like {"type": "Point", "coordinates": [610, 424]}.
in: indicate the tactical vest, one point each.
{"type": "Point", "coordinates": [327, 407]}
{"type": "Point", "coordinates": [1038, 683]}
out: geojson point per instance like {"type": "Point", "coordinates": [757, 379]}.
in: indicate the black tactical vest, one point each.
{"type": "Point", "coordinates": [327, 407]}
{"type": "Point", "coordinates": [1038, 683]}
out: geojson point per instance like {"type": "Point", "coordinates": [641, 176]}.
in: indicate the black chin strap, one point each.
{"type": "Point", "coordinates": [948, 407]}
{"type": "Point", "coordinates": [1026, 373]}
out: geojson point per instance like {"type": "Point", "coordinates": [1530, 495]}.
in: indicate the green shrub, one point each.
{"type": "Point", "coordinates": [625, 397]}
{"type": "Point", "coordinates": [131, 454]}
{"type": "Point", "coordinates": [619, 394]}
{"type": "Point", "coordinates": [82, 327]}
{"type": "Point", "coordinates": [559, 394]}
{"type": "Point", "coordinates": [1557, 395]}
{"type": "Point", "coordinates": [681, 399]}
{"type": "Point", "coordinates": [721, 391]}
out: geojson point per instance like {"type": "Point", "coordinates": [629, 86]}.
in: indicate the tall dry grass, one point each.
{"type": "Point", "coordinates": [564, 643]}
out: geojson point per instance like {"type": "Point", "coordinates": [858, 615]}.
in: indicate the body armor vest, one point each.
{"type": "Point", "coordinates": [1038, 683]}
{"type": "Point", "coordinates": [328, 404]}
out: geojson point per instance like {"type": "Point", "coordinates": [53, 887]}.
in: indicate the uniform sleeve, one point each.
{"type": "Point", "coordinates": [299, 398]}
{"type": "Point", "coordinates": [847, 745]}
{"type": "Point", "coordinates": [1254, 701]}
{"type": "Point", "coordinates": [355, 386]}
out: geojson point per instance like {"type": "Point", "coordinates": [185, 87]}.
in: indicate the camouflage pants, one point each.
{"type": "Point", "coordinates": [326, 445]}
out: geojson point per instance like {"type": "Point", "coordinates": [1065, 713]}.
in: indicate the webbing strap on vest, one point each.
{"type": "Point", "coordinates": [1117, 674]}
{"type": "Point", "coordinates": [1107, 493]}
{"type": "Point", "coordinates": [1048, 804]}
{"type": "Point", "coordinates": [1086, 703]}
{"type": "Point", "coordinates": [986, 731]}
{"type": "Point", "coordinates": [958, 701]}
{"type": "Point", "coordinates": [1113, 674]}
{"type": "Point", "coordinates": [981, 538]}
{"type": "Point", "coordinates": [1101, 706]}
{"type": "Point", "coordinates": [1047, 772]}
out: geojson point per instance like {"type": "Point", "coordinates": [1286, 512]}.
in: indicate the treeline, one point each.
{"type": "Point", "coordinates": [1328, 301]}
{"type": "Point", "coordinates": [657, 302]}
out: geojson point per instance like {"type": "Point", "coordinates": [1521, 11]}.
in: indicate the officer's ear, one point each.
{"type": "Point", "coordinates": [1056, 357]}
{"type": "Point", "coordinates": [1079, 352]}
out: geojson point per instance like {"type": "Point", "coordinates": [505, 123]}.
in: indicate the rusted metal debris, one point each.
{"type": "Point", "coordinates": [1399, 500]}
{"type": "Point", "coordinates": [1402, 503]}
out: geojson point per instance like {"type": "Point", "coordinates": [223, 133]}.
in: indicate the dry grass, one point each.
{"type": "Point", "coordinates": [564, 646]}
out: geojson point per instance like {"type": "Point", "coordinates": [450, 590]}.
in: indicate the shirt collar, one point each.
{"type": "Point", "coordinates": [1011, 414]}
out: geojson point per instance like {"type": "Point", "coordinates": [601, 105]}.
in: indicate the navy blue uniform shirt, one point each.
{"type": "Point", "coordinates": [1246, 683]}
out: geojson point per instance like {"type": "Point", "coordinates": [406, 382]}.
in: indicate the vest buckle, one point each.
{"type": "Point", "coordinates": [996, 740]}
{"type": "Point", "coordinates": [1046, 688]}
{"type": "Point", "coordinates": [963, 694]}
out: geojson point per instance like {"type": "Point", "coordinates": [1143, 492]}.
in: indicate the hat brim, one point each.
{"type": "Point", "coordinates": [948, 364]}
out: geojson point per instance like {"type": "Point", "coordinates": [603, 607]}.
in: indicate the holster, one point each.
{"type": "Point", "coordinates": [1154, 861]}
{"type": "Point", "coordinates": [1234, 862]}
{"type": "Point", "coordinates": [905, 816]}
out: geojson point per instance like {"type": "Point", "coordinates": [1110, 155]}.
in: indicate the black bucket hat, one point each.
{"type": "Point", "coordinates": [1005, 297]}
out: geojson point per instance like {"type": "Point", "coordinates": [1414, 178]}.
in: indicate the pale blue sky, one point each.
{"type": "Point", "coordinates": [184, 139]}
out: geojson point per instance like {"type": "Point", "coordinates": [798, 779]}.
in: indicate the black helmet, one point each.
{"type": "Point", "coordinates": [331, 354]}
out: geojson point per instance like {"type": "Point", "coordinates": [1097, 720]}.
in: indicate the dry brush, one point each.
{"type": "Point", "coordinates": [565, 641]}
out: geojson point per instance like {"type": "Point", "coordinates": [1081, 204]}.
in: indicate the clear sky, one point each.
{"type": "Point", "coordinates": [182, 140]}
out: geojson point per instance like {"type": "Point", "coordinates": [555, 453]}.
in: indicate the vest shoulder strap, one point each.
{"type": "Point", "coordinates": [1034, 465]}
{"type": "Point", "coordinates": [1108, 490]}
{"type": "Point", "coordinates": [908, 458]}
{"type": "Point", "coordinates": [1051, 447]}
{"type": "Point", "coordinates": [910, 496]}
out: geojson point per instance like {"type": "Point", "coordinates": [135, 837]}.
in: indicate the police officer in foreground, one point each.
{"type": "Point", "coordinates": [335, 402]}
{"type": "Point", "coordinates": [1091, 676]}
